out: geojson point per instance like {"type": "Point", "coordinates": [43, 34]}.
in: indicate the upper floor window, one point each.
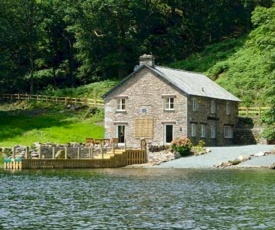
{"type": "Point", "coordinates": [121, 104]}
{"type": "Point", "coordinates": [213, 106]}
{"type": "Point", "coordinates": [228, 108]}
{"type": "Point", "coordinates": [195, 104]}
{"type": "Point", "coordinates": [202, 130]}
{"type": "Point", "coordinates": [228, 132]}
{"type": "Point", "coordinates": [169, 103]}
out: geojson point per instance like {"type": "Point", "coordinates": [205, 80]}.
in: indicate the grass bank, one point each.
{"type": "Point", "coordinates": [26, 123]}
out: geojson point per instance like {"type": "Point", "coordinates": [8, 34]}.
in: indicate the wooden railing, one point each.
{"type": "Point", "coordinates": [243, 111]}
{"type": "Point", "coordinates": [64, 100]}
{"type": "Point", "coordinates": [252, 111]}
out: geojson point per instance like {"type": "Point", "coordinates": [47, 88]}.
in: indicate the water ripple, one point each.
{"type": "Point", "coordinates": [137, 199]}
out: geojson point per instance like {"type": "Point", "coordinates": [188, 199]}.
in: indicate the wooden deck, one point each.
{"type": "Point", "coordinates": [112, 159]}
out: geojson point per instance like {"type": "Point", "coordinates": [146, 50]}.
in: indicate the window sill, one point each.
{"type": "Point", "coordinates": [169, 110]}
{"type": "Point", "coordinates": [120, 111]}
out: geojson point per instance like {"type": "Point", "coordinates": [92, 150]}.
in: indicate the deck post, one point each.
{"type": "Point", "coordinates": [101, 149]}
{"type": "Point", "coordinates": [78, 152]}
{"type": "Point", "coordinates": [92, 151]}
{"type": "Point", "coordinates": [89, 152]}
{"type": "Point", "coordinates": [66, 152]}
{"type": "Point", "coordinates": [39, 152]}
{"type": "Point", "coordinates": [13, 152]}
{"type": "Point", "coordinates": [27, 152]}
{"type": "Point", "coordinates": [53, 152]}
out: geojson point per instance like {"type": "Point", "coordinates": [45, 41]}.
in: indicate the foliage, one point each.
{"type": "Point", "coordinates": [181, 145]}
{"type": "Point", "coordinates": [199, 149]}
{"type": "Point", "coordinates": [93, 90]}
{"type": "Point", "coordinates": [1, 158]}
{"type": "Point", "coordinates": [229, 63]}
{"type": "Point", "coordinates": [158, 148]}
{"type": "Point", "coordinates": [269, 119]}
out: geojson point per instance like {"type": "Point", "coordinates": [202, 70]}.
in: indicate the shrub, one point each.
{"type": "Point", "coordinates": [157, 148]}
{"type": "Point", "coordinates": [181, 145]}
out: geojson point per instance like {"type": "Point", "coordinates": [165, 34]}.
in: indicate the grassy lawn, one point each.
{"type": "Point", "coordinates": [26, 123]}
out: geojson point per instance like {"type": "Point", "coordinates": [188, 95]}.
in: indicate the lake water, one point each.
{"type": "Point", "coordinates": [137, 199]}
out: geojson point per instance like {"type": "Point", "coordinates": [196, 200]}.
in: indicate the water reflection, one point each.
{"type": "Point", "coordinates": [137, 199]}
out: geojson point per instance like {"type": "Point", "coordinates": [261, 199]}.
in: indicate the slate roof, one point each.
{"type": "Point", "coordinates": [189, 83]}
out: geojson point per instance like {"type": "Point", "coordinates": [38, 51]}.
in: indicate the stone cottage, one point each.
{"type": "Point", "coordinates": [159, 104]}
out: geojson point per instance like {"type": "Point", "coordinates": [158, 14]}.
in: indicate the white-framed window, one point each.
{"type": "Point", "coordinates": [121, 104]}
{"type": "Point", "coordinates": [213, 131]}
{"type": "Point", "coordinates": [195, 104]}
{"type": "Point", "coordinates": [169, 103]}
{"type": "Point", "coordinates": [228, 132]}
{"type": "Point", "coordinates": [203, 130]}
{"type": "Point", "coordinates": [213, 106]}
{"type": "Point", "coordinates": [228, 108]}
{"type": "Point", "coordinates": [193, 130]}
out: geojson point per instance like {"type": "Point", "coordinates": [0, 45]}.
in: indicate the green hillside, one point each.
{"type": "Point", "coordinates": [244, 66]}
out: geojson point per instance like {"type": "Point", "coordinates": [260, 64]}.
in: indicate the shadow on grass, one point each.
{"type": "Point", "coordinates": [16, 123]}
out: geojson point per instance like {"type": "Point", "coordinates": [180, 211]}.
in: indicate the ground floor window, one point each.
{"type": "Point", "coordinates": [203, 130]}
{"type": "Point", "coordinates": [228, 132]}
{"type": "Point", "coordinates": [193, 130]}
{"type": "Point", "coordinates": [213, 131]}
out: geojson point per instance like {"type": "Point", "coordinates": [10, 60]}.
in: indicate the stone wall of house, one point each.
{"type": "Point", "coordinates": [145, 92]}
{"type": "Point", "coordinates": [219, 119]}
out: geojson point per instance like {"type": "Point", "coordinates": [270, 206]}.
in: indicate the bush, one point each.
{"type": "Point", "coordinates": [182, 146]}
{"type": "Point", "coordinates": [157, 148]}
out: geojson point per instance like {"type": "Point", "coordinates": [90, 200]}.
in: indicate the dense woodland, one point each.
{"type": "Point", "coordinates": [67, 43]}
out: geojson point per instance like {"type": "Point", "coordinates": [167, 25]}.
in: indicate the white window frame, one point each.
{"type": "Point", "coordinates": [213, 131]}
{"type": "Point", "coordinates": [203, 133]}
{"type": "Point", "coordinates": [213, 106]}
{"type": "Point", "coordinates": [169, 103]}
{"type": "Point", "coordinates": [228, 108]}
{"type": "Point", "coordinates": [195, 104]}
{"type": "Point", "coordinates": [193, 130]}
{"type": "Point", "coordinates": [228, 132]}
{"type": "Point", "coordinates": [121, 104]}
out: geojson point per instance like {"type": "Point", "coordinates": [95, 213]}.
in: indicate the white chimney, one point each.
{"type": "Point", "coordinates": [147, 59]}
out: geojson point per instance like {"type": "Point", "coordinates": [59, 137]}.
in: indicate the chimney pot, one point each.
{"type": "Point", "coordinates": [147, 59]}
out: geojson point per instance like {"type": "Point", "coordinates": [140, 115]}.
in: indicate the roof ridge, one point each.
{"type": "Point", "coordinates": [180, 70]}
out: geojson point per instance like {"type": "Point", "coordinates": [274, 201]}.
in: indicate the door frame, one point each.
{"type": "Point", "coordinates": [121, 138]}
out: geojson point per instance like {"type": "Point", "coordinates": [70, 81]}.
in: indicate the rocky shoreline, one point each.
{"type": "Point", "coordinates": [168, 159]}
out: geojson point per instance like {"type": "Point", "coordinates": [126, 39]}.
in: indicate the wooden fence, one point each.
{"type": "Point", "coordinates": [243, 111]}
{"type": "Point", "coordinates": [64, 100]}
{"type": "Point", "coordinates": [252, 111]}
